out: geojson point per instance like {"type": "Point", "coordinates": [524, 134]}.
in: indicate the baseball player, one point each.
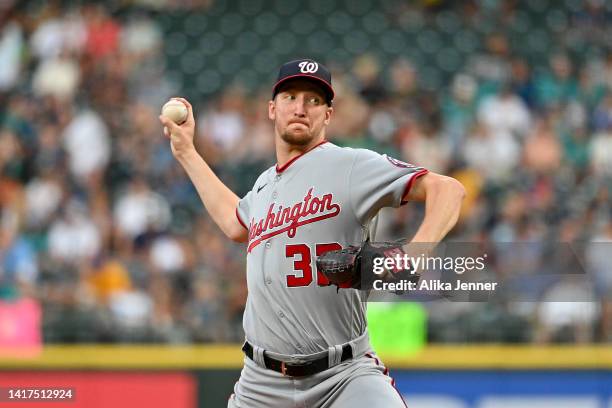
{"type": "Point", "coordinates": [307, 340]}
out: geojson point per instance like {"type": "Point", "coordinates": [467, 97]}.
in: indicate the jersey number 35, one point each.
{"type": "Point", "coordinates": [303, 263]}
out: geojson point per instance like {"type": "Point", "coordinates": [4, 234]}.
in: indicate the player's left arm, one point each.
{"type": "Point", "coordinates": [442, 196]}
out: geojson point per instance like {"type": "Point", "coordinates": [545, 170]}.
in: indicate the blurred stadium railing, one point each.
{"type": "Point", "coordinates": [203, 376]}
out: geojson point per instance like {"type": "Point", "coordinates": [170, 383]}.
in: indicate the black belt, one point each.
{"type": "Point", "coordinates": [298, 370]}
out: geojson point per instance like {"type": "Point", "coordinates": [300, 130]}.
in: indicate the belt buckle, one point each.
{"type": "Point", "coordinates": [298, 364]}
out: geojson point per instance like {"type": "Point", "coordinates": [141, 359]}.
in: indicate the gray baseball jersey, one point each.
{"type": "Point", "coordinates": [319, 201]}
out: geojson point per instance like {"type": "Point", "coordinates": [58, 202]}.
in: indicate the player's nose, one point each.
{"type": "Point", "coordinates": [299, 107]}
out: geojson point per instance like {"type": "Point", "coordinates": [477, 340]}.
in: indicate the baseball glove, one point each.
{"type": "Point", "coordinates": [353, 267]}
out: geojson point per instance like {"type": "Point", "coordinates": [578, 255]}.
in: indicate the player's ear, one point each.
{"type": "Point", "coordinates": [328, 114]}
{"type": "Point", "coordinates": [272, 110]}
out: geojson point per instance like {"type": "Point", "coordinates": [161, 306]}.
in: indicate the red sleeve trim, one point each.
{"type": "Point", "coordinates": [411, 183]}
{"type": "Point", "coordinates": [240, 221]}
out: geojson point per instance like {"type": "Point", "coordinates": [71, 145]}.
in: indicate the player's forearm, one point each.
{"type": "Point", "coordinates": [218, 199]}
{"type": "Point", "coordinates": [442, 206]}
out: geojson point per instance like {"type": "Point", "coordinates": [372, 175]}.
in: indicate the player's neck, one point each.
{"type": "Point", "coordinates": [285, 152]}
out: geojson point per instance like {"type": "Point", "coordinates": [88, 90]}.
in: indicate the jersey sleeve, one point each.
{"type": "Point", "coordinates": [243, 210]}
{"type": "Point", "coordinates": [378, 181]}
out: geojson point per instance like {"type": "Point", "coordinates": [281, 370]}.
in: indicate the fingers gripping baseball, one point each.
{"type": "Point", "coordinates": [181, 136]}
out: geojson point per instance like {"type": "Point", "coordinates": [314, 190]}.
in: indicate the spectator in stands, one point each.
{"type": "Point", "coordinates": [505, 113]}
{"type": "Point", "coordinates": [495, 154]}
{"type": "Point", "coordinates": [11, 48]}
{"type": "Point", "coordinates": [557, 86]}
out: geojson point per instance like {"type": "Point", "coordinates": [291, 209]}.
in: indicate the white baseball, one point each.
{"type": "Point", "coordinates": [175, 110]}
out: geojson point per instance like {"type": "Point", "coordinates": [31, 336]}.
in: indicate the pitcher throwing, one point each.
{"type": "Point", "coordinates": [306, 340]}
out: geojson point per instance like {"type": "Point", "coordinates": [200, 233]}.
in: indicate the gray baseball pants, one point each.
{"type": "Point", "coordinates": [362, 382]}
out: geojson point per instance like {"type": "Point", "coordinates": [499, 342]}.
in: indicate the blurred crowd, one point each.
{"type": "Point", "coordinates": [103, 229]}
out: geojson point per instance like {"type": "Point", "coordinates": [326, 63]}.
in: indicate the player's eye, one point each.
{"type": "Point", "coordinates": [290, 97]}
{"type": "Point", "coordinates": [314, 100]}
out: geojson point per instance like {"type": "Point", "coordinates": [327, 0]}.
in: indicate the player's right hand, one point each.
{"type": "Point", "coordinates": [181, 136]}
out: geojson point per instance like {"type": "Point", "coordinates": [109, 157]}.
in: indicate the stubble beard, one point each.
{"type": "Point", "coordinates": [297, 139]}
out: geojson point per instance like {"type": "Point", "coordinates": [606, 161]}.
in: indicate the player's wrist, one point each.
{"type": "Point", "coordinates": [186, 154]}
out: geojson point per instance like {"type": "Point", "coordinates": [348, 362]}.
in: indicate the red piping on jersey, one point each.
{"type": "Point", "coordinates": [284, 166]}
{"type": "Point", "coordinates": [386, 372]}
{"type": "Point", "coordinates": [240, 221]}
{"type": "Point", "coordinates": [411, 183]}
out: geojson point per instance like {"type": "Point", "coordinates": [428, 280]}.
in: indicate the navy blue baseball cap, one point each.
{"type": "Point", "coordinates": [307, 69]}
